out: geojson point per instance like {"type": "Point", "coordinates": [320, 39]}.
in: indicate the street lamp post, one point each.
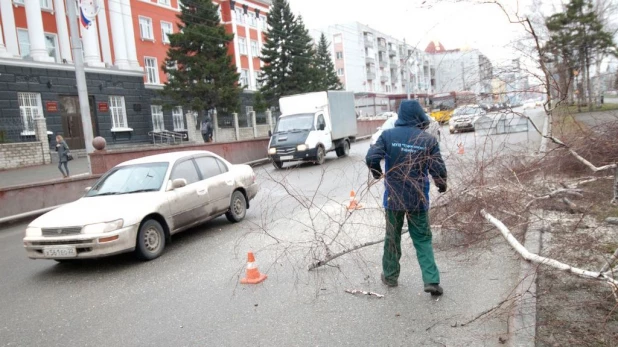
{"type": "Point", "coordinates": [88, 13]}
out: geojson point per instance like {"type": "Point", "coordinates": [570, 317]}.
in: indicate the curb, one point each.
{"type": "Point", "coordinates": [522, 322]}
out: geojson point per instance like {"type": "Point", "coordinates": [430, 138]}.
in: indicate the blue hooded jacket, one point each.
{"type": "Point", "coordinates": [410, 156]}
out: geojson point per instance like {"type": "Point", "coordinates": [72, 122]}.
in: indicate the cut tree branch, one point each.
{"type": "Point", "coordinates": [527, 255]}
{"type": "Point", "coordinates": [610, 262]}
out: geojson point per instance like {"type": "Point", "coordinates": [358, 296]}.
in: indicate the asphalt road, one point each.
{"type": "Point", "coordinates": [191, 296]}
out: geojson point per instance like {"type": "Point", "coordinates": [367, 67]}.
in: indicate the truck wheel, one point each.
{"type": "Point", "coordinates": [320, 156]}
{"type": "Point", "coordinates": [278, 165]}
{"type": "Point", "coordinates": [344, 150]}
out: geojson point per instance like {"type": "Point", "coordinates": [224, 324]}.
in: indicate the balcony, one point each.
{"type": "Point", "coordinates": [381, 46]}
{"type": "Point", "coordinates": [371, 76]}
{"type": "Point", "coordinates": [394, 78]}
{"type": "Point", "coordinates": [394, 65]}
{"type": "Point", "coordinates": [370, 60]}
{"type": "Point", "coordinates": [383, 79]}
{"type": "Point", "coordinates": [368, 42]}
{"type": "Point", "coordinates": [383, 63]}
{"type": "Point", "coordinates": [392, 52]}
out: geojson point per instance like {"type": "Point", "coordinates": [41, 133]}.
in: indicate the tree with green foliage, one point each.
{"type": "Point", "coordinates": [201, 74]}
{"type": "Point", "coordinates": [579, 36]}
{"type": "Point", "coordinates": [259, 102]}
{"type": "Point", "coordinates": [288, 55]}
{"type": "Point", "coordinates": [325, 69]}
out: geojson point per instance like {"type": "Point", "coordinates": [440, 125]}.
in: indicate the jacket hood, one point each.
{"type": "Point", "coordinates": [411, 114]}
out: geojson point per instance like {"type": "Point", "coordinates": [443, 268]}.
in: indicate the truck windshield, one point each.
{"type": "Point", "coordinates": [302, 121]}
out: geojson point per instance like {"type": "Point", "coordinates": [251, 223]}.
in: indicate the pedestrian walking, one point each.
{"type": "Point", "coordinates": [207, 129]}
{"type": "Point", "coordinates": [410, 156]}
{"type": "Point", "coordinates": [64, 155]}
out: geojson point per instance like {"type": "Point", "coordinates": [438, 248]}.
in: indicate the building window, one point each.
{"type": "Point", "coordinates": [339, 55]}
{"type": "Point", "coordinates": [166, 29]}
{"type": "Point", "coordinates": [173, 66]}
{"type": "Point", "coordinates": [30, 107]}
{"type": "Point", "coordinates": [242, 45]}
{"type": "Point", "coordinates": [45, 4]}
{"type": "Point", "coordinates": [51, 43]}
{"type": "Point", "coordinates": [178, 118]}
{"type": "Point", "coordinates": [254, 48]}
{"type": "Point", "coordinates": [157, 117]}
{"type": "Point", "coordinates": [145, 28]}
{"type": "Point", "coordinates": [240, 15]}
{"type": "Point", "coordinates": [252, 20]}
{"type": "Point", "coordinates": [258, 77]}
{"type": "Point", "coordinates": [244, 78]}
{"type": "Point", "coordinates": [165, 2]}
{"type": "Point", "coordinates": [152, 72]}
{"type": "Point", "coordinates": [24, 42]}
{"type": "Point", "coordinates": [118, 112]}
{"type": "Point", "coordinates": [264, 23]}
{"type": "Point", "coordinates": [339, 72]}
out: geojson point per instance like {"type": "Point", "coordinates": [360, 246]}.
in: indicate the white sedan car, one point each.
{"type": "Point", "coordinates": [433, 129]}
{"type": "Point", "coordinates": [138, 205]}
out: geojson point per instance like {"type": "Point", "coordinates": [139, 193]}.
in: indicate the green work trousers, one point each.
{"type": "Point", "coordinates": [418, 226]}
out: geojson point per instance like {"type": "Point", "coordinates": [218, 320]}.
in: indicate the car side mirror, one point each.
{"type": "Point", "coordinates": [179, 183]}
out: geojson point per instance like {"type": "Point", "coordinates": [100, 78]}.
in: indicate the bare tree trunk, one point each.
{"type": "Point", "coordinates": [597, 84]}
{"type": "Point", "coordinates": [588, 84]}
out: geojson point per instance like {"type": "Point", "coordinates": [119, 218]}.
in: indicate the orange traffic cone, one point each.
{"type": "Point", "coordinates": [353, 203]}
{"type": "Point", "coordinates": [460, 149]}
{"type": "Point", "coordinates": [253, 274]}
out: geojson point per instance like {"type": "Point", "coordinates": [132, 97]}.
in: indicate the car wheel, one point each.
{"type": "Point", "coordinates": [238, 207]}
{"type": "Point", "coordinates": [150, 240]}
{"type": "Point", "coordinates": [451, 131]}
{"type": "Point", "coordinates": [278, 165]}
{"type": "Point", "coordinates": [320, 156]}
{"type": "Point", "coordinates": [344, 150]}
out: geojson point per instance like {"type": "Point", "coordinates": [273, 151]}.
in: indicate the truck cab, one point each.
{"type": "Point", "coordinates": [312, 125]}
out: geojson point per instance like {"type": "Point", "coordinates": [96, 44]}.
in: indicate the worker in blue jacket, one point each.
{"type": "Point", "coordinates": [410, 156]}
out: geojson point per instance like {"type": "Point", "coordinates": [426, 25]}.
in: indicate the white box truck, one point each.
{"type": "Point", "coordinates": [312, 125]}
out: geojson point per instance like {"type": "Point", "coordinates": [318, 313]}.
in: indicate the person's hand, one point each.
{"type": "Point", "coordinates": [57, 145]}
{"type": "Point", "coordinates": [441, 186]}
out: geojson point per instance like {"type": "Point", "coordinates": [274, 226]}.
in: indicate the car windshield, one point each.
{"type": "Point", "coordinates": [302, 121]}
{"type": "Point", "coordinates": [465, 111]}
{"type": "Point", "coordinates": [130, 179]}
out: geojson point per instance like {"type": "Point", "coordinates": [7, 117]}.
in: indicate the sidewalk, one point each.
{"type": "Point", "coordinates": [41, 173]}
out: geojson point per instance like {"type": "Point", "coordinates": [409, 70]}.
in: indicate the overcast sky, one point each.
{"type": "Point", "coordinates": [454, 24]}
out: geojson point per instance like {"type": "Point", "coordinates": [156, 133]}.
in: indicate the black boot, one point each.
{"type": "Point", "coordinates": [390, 284]}
{"type": "Point", "coordinates": [434, 289]}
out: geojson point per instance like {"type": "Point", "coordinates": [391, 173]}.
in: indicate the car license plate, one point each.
{"type": "Point", "coordinates": [286, 157]}
{"type": "Point", "coordinates": [60, 252]}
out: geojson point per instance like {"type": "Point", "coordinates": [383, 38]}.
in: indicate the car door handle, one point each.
{"type": "Point", "coordinates": [202, 192]}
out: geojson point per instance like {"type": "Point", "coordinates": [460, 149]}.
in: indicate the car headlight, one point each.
{"type": "Point", "coordinates": [33, 232]}
{"type": "Point", "coordinates": [272, 151]}
{"type": "Point", "coordinates": [100, 228]}
{"type": "Point", "coordinates": [301, 148]}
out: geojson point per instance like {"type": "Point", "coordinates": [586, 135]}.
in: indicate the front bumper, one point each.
{"type": "Point", "coordinates": [294, 155]}
{"type": "Point", "coordinates": [86, 245]}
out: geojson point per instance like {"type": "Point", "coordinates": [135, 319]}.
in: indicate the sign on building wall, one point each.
{"type": "Point", "coordinates": [51, 106]}
{"type": "Point", "coordinates": [102, 106]}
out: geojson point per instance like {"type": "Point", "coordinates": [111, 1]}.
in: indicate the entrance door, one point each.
{"type": "Point", "coordinates": [72, 130]}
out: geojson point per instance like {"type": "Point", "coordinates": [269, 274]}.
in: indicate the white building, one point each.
{"type": "Point", "coordinates": [460, 70]}
{"type": "Point", "coordinates": [367, 60]}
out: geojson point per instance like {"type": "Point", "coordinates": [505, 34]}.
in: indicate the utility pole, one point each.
{"type": "Point", "coordinates": [80, 77]}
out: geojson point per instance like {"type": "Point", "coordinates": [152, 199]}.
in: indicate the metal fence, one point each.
{"type": "Point", "coordinates": [14, 130]}
{"type": "Point", "coordinates": [501, 123]}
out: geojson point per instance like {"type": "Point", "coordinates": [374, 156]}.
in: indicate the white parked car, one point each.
{"type": "Point", "coordinates": [138, 205]}
{"type": "Point", "coordinates": [464, 117]}
{"type": "Point", "coordinates": [433, 129]}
